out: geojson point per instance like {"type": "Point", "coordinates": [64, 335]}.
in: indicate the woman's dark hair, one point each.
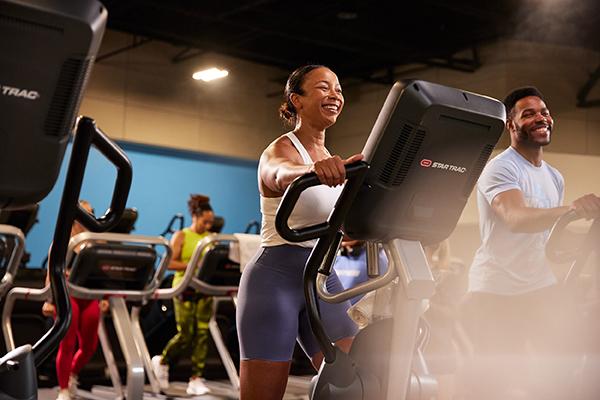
{"type": "Point", "coordinates": [287, 111]}
{"type": "Point", "coordinates": [198, 203]}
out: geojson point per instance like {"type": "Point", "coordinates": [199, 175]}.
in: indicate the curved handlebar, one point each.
{"type": "Point", "coordinates": [553, 252]}
{"type": "Point", "coordinates": [87, 134]}
{"type": "Point", "coordinates": [329, 238]}
{"type": "Point", "coordinates": [14, 259]}
{"type": "Point", "coordinates": [122, 184]}
{"type": "Point", "coordinates": [291, 196]}
{"type": "Point", "coordinates": [253, 224]}
{"type": "Point", "coordinates": [169, 229]}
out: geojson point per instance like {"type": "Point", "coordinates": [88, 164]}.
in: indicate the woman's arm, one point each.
{"type": "Point", "coordinates": [280, 164]}
{"type": "Point", "coordinates": [176, 246]}
{"type": "Point", "coordinates": [48, 306]}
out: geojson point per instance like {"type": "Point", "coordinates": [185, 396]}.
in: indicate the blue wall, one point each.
{"type": "Point", "coordinates": [162, 182]}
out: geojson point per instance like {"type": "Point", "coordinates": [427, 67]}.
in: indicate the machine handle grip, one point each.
{"type": "Point", "coordinates": [122, 184]}
{"type": "Point", "coordinates": [290, 198]}
{"type": "Point", "coordinates": [553, 252]}
{"type": "Point", "coordinates": [175, 218]}
{"type": "Point", "coordinates": [87, 134]}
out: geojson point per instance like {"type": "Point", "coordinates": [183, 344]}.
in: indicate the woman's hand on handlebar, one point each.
{"type": "Point", "coordinates": [587, 206]}
{"type": "Point", "coordinates": [331, 171]}
{"type": "Point", "coordinates": [48, 309]}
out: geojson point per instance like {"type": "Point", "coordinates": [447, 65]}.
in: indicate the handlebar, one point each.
{"type": "Point", "coordinates": [329, 239]}
{"type": "Point", "coordinates": [579, 256]}
{"type": "Point", "coordinates": [553, 252]}
{"type": "Point", "coordinates": [122, 184]}
{"type": "Point", "coordinates": [87, 134]}
{"type": "Point", "coordinates": [176, 218]}
{"type": "Point", "coordinates": [252, 225]}
{"type": "Point", "coordinates": [291, 196]}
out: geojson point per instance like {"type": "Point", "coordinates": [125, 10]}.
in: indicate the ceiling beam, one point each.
{"type": "Point", "coordinates": [136, 42]}
{"type": "Point", "coordinates": [458, 63]}
{"type": "Point", "coordinates": [584, 91]}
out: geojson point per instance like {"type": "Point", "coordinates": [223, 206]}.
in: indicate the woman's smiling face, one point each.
{"type": "Point", "coordinates": [322, 100]}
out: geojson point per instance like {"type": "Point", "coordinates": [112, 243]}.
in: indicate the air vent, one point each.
{"type": "Point", "coordinates": [411, 153]}
{"type": "Point", "coordinates": [73, 76]}
{"type": "Point", "coordinates": [27, 26]}
{"type": "Point", "coordinates": [388, 169]}
{"type": "Point", "coordinates": [477, 168]}
{"type": "Point", "coordinates": [402, 155]}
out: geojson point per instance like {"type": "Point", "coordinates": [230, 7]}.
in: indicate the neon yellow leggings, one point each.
{"type": "Point", "coordinates": [191, 339]}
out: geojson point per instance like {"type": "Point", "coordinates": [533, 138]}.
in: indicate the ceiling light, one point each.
{"type": "Point", "coordinates": [210, 74]}
{"type": "Point", "coordinates": [347, 15]}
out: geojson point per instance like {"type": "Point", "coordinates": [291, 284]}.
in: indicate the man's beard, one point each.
{"type": "Point", "coordinates": [525, 137]}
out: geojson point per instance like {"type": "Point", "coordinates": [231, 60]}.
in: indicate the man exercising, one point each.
{"type": "Point", "coordinates": [512, 298]}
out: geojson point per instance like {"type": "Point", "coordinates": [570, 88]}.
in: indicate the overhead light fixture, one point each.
{"type": "Point", "coordinates": [210, 74]}
{"type": "Point", "coordinates": [347, 15]}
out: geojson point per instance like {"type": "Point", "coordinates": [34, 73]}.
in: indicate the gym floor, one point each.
{"type": "Point", "coordinates": [219, 392]}
{"type": "Point", "coordinates": [51, 394]}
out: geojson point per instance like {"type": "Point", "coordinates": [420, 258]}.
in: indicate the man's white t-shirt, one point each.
{"type": "Point", "coordinates": [509, 263]}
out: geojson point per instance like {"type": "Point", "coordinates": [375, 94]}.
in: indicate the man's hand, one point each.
{"type": "Point", "coordinates": [587, 206]}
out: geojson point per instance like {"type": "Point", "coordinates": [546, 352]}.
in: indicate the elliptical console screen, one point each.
{"type": "Point", "coordinates": [426, 152]}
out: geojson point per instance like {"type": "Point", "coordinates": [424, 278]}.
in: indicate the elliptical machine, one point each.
{"type": "Point", "coordinates": [577, 257]}
{"type": "Point", "coordinates": [13, 254]}
{"type": "Point", "coordinates": [37, 114]}
{"type": "Point", "coordinates": [12, 246]}
{"type": "Point", "coordinates": [588, 304]}
{"type": "Point", "coordinates": [18, 378]}
{"type": "Point", "coordinates": [421, 161]}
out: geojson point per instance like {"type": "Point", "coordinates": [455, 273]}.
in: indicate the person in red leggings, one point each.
{"type": "Point", "coordinates": [83, 332]}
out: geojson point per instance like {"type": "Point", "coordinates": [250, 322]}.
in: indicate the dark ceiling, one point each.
{"type": "Point", "coordinates": [358, 38]}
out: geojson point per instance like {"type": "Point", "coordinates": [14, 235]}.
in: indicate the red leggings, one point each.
{"type": "Point", "coordinates": [84, 330]}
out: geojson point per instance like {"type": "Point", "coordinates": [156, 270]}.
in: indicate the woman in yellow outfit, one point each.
{"type": "Point", "coordinates": [192, 310]}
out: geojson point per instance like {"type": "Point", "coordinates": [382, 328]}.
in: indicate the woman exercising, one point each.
{"type": "Point", "coordinates": [79, 344]}
{"type": "Point", "coordinates": [192, 310]}
{"type": "Point", "coordinates": [271, 312]}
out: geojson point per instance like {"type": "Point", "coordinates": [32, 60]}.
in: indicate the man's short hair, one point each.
{"type": "Point", "coordinates": [519, 93]}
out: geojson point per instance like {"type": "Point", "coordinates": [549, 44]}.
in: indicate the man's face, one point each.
{"type": "Point", "coordinates": [530, 123]}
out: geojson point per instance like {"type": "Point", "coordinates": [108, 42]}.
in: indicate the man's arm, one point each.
{"type": "Point", "coordinates": [510, 206]}
{"type": "Point", "coordinates": [520, 218]}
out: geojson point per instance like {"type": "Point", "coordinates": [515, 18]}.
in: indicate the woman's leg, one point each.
{"type": "Point", "coordinates": [269, 300]}
{"type": "Point", "coordinates": [87, 334]}
{"type": "Point", "coordinates": [338, 325]}
{"type": "Point", "coordinates": [64, 357]}
{"type": "Point", "coordinates": [203, 315]}
{"type": "Point", "coordinates": [343, 344]}
{"type": "Point", "coordinates": [263, 380]}
{"type": "Point", "coordinates": [180, 344]}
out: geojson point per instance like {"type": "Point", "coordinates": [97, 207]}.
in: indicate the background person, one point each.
{"type": "Point", "coordinates": [81, 340]}
{"type": "Point", "coordinates": [192, 310]}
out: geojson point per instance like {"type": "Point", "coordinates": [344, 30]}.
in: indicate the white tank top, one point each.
{"type": "Point", "coordinates": [313, 206]}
